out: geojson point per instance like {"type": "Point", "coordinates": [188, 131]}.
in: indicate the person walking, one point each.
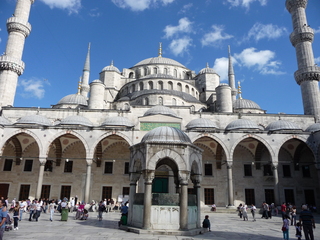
{"type": "Point", "coordinates": [22, 207]}
{"type": "Point", "coordinates": [3, 217]}
{"type": "Point", "coordinates": [32, 210]}
{"type": "Point", "coordinates": [244, 212]}
{"type": "Point", "coordinates": [285, 227]}
{"type": "Point", "coordinates": [51, 208]}
{"type": "Point", "coordinates": [307, 221]}
{"type": "Point", "coordinates": [293, 216]}
{"type": "Point", "coordinates": [253, 212]}
{"type": "Point", "coordinates": [101, 209]}
{"type": "Point", "coordinates": [16, 213]}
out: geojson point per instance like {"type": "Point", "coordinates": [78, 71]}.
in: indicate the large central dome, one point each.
{"type": "Point", "coordinates": [159, 60]}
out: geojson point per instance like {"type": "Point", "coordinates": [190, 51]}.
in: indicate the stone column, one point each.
{"type": "Point", "coordinates": [40, 178]}
{"type": "Point", "coordinates": [276, 183]}
{"type": "Point", "coordinates": [196, 179]}
{"type": "Point", "coordinates": [184, 177]}
{"type": "Point", "coordinates": [88, 182]}
{"type": "Point", "coordinates": [134, 177]}
{"type": "Point", "coordinates": [148, 177]}
{"type": "Point", "coordinates": [230, 183]}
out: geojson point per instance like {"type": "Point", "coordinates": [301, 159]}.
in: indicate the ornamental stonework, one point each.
{"type": "Point", "coordinates": [292, 5]}
{"type": "Point", "coordinates": [7, 63]}
{"type": "Point", "coordinates": [307, 74]}
{"type": "Point", "coordinates": [298, 37]}
{"type": "Point", "coordinates": [14, 25]}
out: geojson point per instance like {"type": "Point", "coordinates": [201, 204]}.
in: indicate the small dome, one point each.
{"type": "Point", "coordinates": [207, 70]}
{"type": "Point", "coordinates": [4, 121]}
{"type": "Point", "coordinates": [77, 99]}
{"type": "Point", "coordinates": [160, 109]}
{"type": "Point", "coordinates": [245, 104]}
{"type": "Point", "coordinates": [201, 123]}
{"type": "Point", "coordinates": [281, 125]}
{"type": "Point", "coordinates": [96, 81]}
{"type": "Point", "coordinates": [159, 60]}
{"type": "Point", "coordinates": [242, 124]}
{"type": "Point", "coordinates": [111, 68]}
{"type": "Point", "coordinates": [166, 135]}
{"type": "Point", "coordinates": [76, 120]}
{"type": "Point", "coordinates": [34, 119]}
{"type": "Point", "coordinates": [117, 121]}
{"type": "Point", "coordinates": [313, 128]}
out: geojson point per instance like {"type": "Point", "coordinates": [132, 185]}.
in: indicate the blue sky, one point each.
{"type": "Point", "coordinates": [193, 33]}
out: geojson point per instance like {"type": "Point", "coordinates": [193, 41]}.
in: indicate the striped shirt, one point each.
{"type": "Point", "coordinates": [306, 217]}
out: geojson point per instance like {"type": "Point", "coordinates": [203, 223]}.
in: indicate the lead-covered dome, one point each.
{"type": "Point", "coordinates": [34, 119]}
{"type": "Point", "coordinates": [201, 123]}
{"type": "Point", "coordinates": [282, 125]}
{"type": "Point", "coordinates": [159, 60]}
{"type": "Point", "coordinates": [242, 124]}
{"type": "Point", "coordinates": [166, 135]}
{"type": "Point", "coordinates": [111, 68]}
{"type": "Point", "coordinates": [117, 122]}
{"type": "Point", "coordinates": [313, 128]}
{"type": "Point", "coordinates": [160, 109]}
{"type": "Point", "coordinates": [245, 104]}
{"type": "Point", "coordinates": [76, 120]}
{"type": "Point", "coordinates": [74, 99]}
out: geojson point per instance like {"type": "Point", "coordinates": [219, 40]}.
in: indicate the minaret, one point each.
{"type": "Point", "coordinates": [85, 75]}
{"type": "Point", "coordinates": [308, 74]}
{"type": "Point", "coordinates": [11, 65]}
{"type": "Point", "coordinates": [231, 77]}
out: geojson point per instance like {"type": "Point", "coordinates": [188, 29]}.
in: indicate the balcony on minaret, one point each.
{"type": "Point", "coordinates": [15, 24]}
{"type": "Point", "coordinates": [311, 73]}
{"type": "Point", "coordinates": [303, 34]}
{"type": "Point", "coordinates": [11, 64]}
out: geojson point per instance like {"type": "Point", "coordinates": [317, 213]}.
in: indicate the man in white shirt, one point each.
{"type": "Point", "coordinates": [22, 206]}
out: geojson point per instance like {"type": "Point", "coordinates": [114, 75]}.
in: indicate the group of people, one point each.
{"type": "Point", "coordinates": [243, 211]}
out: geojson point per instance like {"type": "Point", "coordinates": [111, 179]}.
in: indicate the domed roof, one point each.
{"type": "Point", "coordinates": [111, 68]}
{"type": "Point", "coordinates": [76, 120]}
{"type": "Point", "coordinates": [34, 119]}
{"type": "Point", "coordinates": [77, 99]}
{"type": "Point", "coordinates": [96, 81]}
{"type": "Point", "coordinates": [159, 60]}
{"type": "Point", "coordinates": [160, 109]}
{"type": "Point", "coordinates": [166, 135]}
{"type": "Point", "coordinates": [207, 69]}
{"type": "Point", "coordinates": [117, 121]}
{"type": "Point", "coordinates": [241, 124]}
{"type": "Point", "coordinates": [313, 128]}
{"type": "Point", "coordinates": [245, 104]}
{"type": "Point", "coordinates": [201, 123]}
{"type": "Point", "coordinates": [282, 125]}
{"type": "Point", "coordinates": [4, 121]}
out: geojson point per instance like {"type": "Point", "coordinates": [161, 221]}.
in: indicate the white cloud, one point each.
{"type": "Point", "coordinates": [185, 26]}
{"type": "Point", "coordinates": [317, 30]}
{"type": "Point", "coordinates": [261, 61]}
{"type": "Point", "coordinates": [72, 6]}
{"type": "Point", "coordinates": [180, 46]}
{"type": "Point", "coordinates": [221, 67]}
{"type": "Point", "coordinates": [245, 3]}
{"type": "Point", "coordinates": [185, 8]}
{"type": "Point", "coordinates": [33, 88]}
{"type": "Point", "coordinates": [269, 31]}
{"type": "Point", "coordinates": [215, 37]}
{"type": "Point", "coordinates": [94, 12]}
{"type": "Point", "coordinates": [317, 60]}
{"type": "Point", "coordinates": [140, 5]}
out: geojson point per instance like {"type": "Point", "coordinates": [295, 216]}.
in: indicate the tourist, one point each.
{"type": "Point", "coordinates": [285, 227]}
{"type": "Point", "coordinates": [206, 223]}
{"type": "Point", "coordinates": [253, 212]}
{"type": "Point", "coordinates": [3, 218]}
{"type": "Point", "coordinates": [298, 231]}
{"type": "Point", "coordinates": [51, 208]}
{"type": "Point", "coordinates": [308, 223]}
{"type": "Point", "coordinates": [23, 206]}
{"type": "Point", "coordinates": [101, 209]}
{"type": "Point", "coordinates": [16, 213]}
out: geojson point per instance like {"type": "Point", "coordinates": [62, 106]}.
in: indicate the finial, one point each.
{"type": "Point", "coordinates": [239, 90]}
{"type": "Point", "coordinates": [38, 110]}
{"type": "Point", "coordinates": [207, 65]}
{"type": "Point", "coordinates": [111, 64]}
{"type": "Point", "coordinates": [160, 49]}
{"type": "Point", "coordinates": [79, 85]}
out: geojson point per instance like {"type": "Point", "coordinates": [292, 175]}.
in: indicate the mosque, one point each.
{"type": "Point", "coordinates": [158, 127]}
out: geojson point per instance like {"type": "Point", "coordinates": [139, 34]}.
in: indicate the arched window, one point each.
{"type": "Point", "coordinates": [160, 100]}
{"type": "Point", "coordinates": [187, 89]}
{"type": "Point", "coordinates": [160, 85]}
{"type": "Point", "coordinates": [133, 88]}
{"type": "Point", "coordinates": [170, 85]}
{"type": "Point", "coordinates": [155, 70]}
{"type": "Point", "coordinates": [131, 75]}
{"type": "Point", "coordinates": [174, 101]}
{"type": "Point", "coordinates": [150, 85]}
{"type": "Point", "coordinates": [126, 107]}
{"type": "Point", "coordinates": [175, 73]}
{"type": "Point", "coordinates": [141, 86]}
{"type": "Point", "coordinates": [126, 91]}
{"type": "Point", "coordinates": [145, 71]}
{"type": "Point", "coordinates": [179, 87]}
{"type": "Point", "coordinates": [146, 101]}
{"type": "Point", "coordinates": [192, 92]}
{"type": "Point", "coordinates": [165, 71]}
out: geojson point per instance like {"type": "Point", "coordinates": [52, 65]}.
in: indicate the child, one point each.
{"type": "Point", "coordinates": [298, 231]}
{"type": "Point", "coordinates": [206, 223]}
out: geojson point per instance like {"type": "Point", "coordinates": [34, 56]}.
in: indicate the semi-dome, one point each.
{"type": "Point", "coordinates": [159, 60]}
{"type": "Point", "coordinates": [76, 120]}
{"type": "Point", "coordinates": [242, 124]}
{"type": "Point", "coordinates": [245, 104]}
{"type": "Point", "coordinates": [117, 121]}
{"type": "Point", "coordinates": [313, 128]}
{"type": "Point", "coordinates": [282, 125]}
{"type": "Point", "coordinates": [160, 109]}
{"type": "Point", "coordinates": [34, 119]}
{"type": "Point", "coordinates": [111, 68]}
{"type": "Point", "coordinates": [166, 135]}
{"type": "Point", "coordinates": [201, 123]}
{"type": "Point", "coordinates": [73, 99]}
{"type": "Point", "coordinates": [4, 121]}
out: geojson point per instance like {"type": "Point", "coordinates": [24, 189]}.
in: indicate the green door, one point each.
{"type": "Point", "coordinates": [160, 185]}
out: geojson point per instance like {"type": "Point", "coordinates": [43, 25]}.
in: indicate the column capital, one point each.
{"type": "Point", "coordinates": [134, 177]}
{"type": "Point", "coordinates": [89, 162]}
{"type": "Point", "coordinates": [148, 176]}
{"type": "Point", "coordinates": [274, 165]}
{"type": "Point", "coordinates": [196, 179]}
{"type": "Point", "coordinates": [229, 164]}
{"type": "Point", "coordinates": [184, 177]}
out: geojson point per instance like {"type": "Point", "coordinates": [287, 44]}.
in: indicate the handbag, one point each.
{"type": "Point", "coordinates": [284, 229]}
